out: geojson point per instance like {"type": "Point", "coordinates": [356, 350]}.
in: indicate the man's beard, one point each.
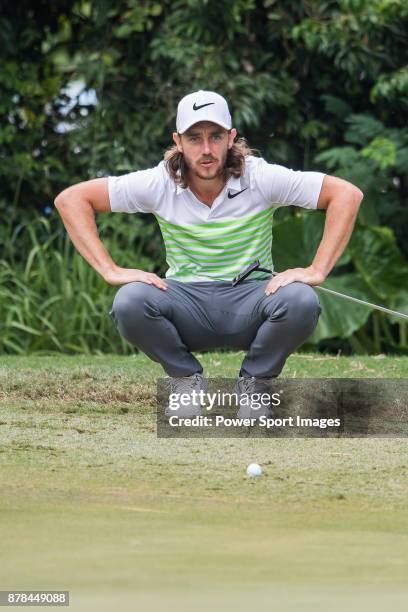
{"type": "Point", "coordinates": [207, 177]}
{"type": "Point", "coordinates": [194, 170]}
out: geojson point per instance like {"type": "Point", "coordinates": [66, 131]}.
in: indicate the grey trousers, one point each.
{"type": "Point", "coordinates": [168, 325]}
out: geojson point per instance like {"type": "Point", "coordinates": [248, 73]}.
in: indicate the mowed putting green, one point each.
{"type": "Point", "coordinates": [92, 502]}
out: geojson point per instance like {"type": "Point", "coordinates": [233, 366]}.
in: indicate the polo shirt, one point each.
{"type": "Point", "coordinates": [215, 244]}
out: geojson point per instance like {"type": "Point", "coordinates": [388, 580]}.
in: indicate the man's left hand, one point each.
{"type": "Point", "coordinates": [309, 275]}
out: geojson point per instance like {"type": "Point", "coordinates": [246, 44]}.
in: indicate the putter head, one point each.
{"type": "Point", "coordinates": [243, 275]}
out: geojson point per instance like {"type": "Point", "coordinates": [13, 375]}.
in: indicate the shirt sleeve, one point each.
{"type": "Point", "coordinates": [138, 191]}
{"type": "Point", "coordinates": [285, 187]}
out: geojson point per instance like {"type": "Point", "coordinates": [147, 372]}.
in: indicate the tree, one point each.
{"type": "Point", "coordinates": [313, 85]}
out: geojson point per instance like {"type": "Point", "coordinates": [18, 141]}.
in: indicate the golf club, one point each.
{"type": "Point", "coordinates": [256, 267]}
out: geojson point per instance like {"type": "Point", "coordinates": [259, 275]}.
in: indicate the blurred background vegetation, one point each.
{"type": "Point", "coordinates": [90, 89]}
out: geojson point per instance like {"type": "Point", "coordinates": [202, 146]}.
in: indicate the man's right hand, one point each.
{"type": "Point", "coordinates": [121, 276]}
{"type": "Point", "coordinates": [77, 206]}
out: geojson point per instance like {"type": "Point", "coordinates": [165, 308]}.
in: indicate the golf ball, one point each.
{"type": "Point", "coordinates": [254, 470]}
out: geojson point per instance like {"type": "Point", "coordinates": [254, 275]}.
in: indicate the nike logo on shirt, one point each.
{"type": "Point", "coordinates": [234, 195]}
{"type": "Point", "coordinates": [195, 107]}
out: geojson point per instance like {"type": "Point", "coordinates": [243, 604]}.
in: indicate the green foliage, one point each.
{"type": "Point", "coordinates": [392, 86]}
{"type": "Point", "coordinates": [313, 85]}
{"type": "Point", "coordinates": [51, 300]}
{"type": "Point", "coordinates": [372, 269]}
{"type": "Point", "coordinates": [376, 158]}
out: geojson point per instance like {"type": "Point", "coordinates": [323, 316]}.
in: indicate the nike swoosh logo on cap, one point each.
{"type": "Point", "coordinates": [195, 107]}
{"type": "Point", "coordinates": [234, 195]}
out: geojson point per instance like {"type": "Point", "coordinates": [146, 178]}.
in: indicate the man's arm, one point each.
{"type": "Point", "coordinates": [77, 206]}
{"type": "Point", "coordinates": [341, 200]}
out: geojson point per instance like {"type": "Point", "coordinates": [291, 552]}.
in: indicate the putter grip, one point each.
{"type": "Point", "coordinates": [255, 266]}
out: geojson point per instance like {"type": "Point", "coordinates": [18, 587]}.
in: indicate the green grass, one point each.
{"type": "Point", "coordinates": [93, 502]}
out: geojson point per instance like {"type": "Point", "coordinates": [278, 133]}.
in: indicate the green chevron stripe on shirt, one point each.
{"type": "Point", "coordinates": [217, 250]}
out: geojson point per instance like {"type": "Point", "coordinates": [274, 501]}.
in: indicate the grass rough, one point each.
{"type": "Point", "coordinates": [93, 502]}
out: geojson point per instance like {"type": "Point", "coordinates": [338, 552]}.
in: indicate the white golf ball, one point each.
{"type": "Point", "coordinates": [254, 470]}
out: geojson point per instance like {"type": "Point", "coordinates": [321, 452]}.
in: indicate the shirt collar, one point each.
{"type": "Point", "coordinates": [233, 183]}
{"type": "Point", "coordinates": [180, 189]}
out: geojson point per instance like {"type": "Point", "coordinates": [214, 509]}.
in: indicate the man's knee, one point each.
{"type": "Point", "coordinates": [304, 309]}
{"type": "Point", "coordinates": [131, 302]}
{"type": "Point", "coordinates": [299, 303]}
{"type": "Point", "coordinates": [305, 300]}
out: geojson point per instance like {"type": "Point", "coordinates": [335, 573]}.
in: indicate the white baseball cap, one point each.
{"type": "Point", "coordinates": [202, 106]}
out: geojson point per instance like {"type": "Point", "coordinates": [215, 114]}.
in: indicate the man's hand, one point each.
{"type": "Point", "coordinates": [121, 276]}
{"type": "Point", "coordinates": [309, 275]}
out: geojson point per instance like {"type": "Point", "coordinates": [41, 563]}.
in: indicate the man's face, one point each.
{"type": "Point", "coordinates": [205, 146]}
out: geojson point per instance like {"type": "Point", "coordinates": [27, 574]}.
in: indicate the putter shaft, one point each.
{"type": "Point", "coordinates": [256, 267]}
{"type": "Point", "coordinates": [358, 301]}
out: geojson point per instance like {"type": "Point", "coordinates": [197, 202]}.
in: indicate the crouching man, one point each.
{"type": "Point", "coordinates": [214, 201]}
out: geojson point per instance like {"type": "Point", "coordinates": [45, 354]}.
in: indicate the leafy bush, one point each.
{"type": "Point", "coordinates": [372, 269]}
{"type": "Point", "coordinates": [52, 300]}
{"type": "Point", "coordinates": [312, 85]}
